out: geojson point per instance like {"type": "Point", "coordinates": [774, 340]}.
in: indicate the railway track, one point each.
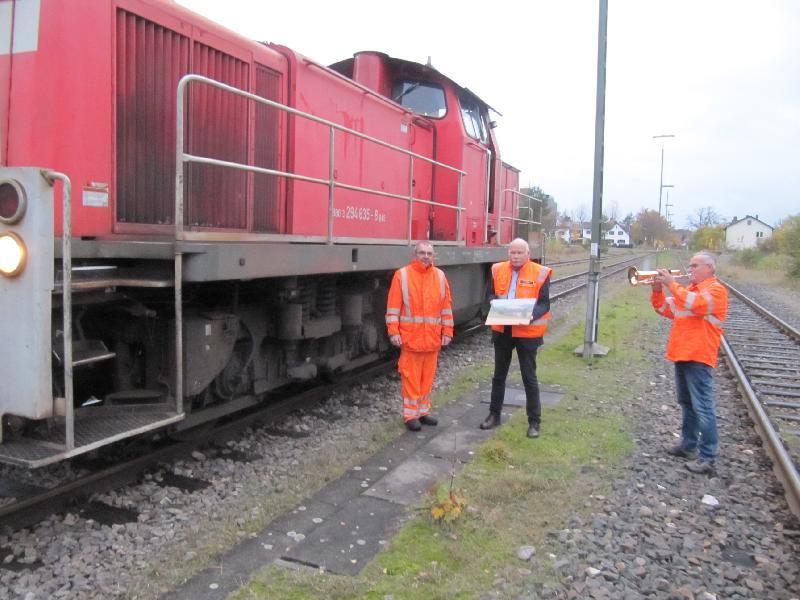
{"type": "Point", "coordinates": [560, 287]}
{"type": "Point", "coordinates": [764, 354]}
{"type": "Point", "coordinates": [31, 504]}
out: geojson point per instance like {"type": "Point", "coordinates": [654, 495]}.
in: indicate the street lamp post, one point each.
{"type": "Point", "coordinates": [661, 185]}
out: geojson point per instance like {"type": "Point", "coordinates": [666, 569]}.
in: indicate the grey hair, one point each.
{"type": "Point", "coordinates": [709, 258]}
{"type": "Point", "coordinates": [520, 241]}
{"type": "Point", "coordinates": [421, 243]}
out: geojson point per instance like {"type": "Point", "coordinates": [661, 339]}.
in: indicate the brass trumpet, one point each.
{"type": "Point", "coordinates": [637, 277]}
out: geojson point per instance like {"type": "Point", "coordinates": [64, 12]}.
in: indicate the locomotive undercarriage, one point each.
{"type": "Point", "coordinates": [239, 339]}
{"type": "Point", "coordinates": [243, 337]}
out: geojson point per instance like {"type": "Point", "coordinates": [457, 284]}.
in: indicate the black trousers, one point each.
{"type": "Point", "coordinates": [504, 344]}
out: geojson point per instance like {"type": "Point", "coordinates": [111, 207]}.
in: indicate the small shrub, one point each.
{"type": "Point", "coordinates": [749, 257]}
{"type": "Point", "coordinates": [449, 509]}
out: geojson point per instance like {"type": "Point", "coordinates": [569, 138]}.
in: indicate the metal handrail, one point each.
{"type": "Point", "coordinates": [66, 300]}
{"type": "Point", "coordinates": [184, 157]}
{"type": "Point", "coordinates": [501, 218]}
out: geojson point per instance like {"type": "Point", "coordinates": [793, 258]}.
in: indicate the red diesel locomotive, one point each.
{"type": "Point", "coordinates": [189, 219]}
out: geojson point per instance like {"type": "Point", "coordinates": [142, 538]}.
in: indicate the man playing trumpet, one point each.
{"type": "Point", "coordinates": [698, 312]}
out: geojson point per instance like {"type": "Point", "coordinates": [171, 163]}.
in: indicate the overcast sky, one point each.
{"type": "Point", "coordinates": [722, 76]}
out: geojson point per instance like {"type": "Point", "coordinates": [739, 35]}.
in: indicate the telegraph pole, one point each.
{"type": "Point", "coordinates": [590, 346]}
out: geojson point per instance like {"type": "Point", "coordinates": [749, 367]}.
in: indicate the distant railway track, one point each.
{"type": "Point", "coordinates": [560, 288]}
{"type": "Point", "coordinates": [764, 354]}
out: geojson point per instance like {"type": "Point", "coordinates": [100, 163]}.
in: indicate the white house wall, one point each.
{"type": "Point", "coordinates": [746, 233]}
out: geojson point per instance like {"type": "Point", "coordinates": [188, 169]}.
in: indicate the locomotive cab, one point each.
{"type": "Point", "coordinates": [463, 137]}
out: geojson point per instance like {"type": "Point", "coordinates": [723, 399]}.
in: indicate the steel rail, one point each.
{"type": "Point", "coordinates": [27, 511]}
{"type": "Point", "coordinates": [781, 324]}
{"type": "Point", "coordinates": [782, 463]}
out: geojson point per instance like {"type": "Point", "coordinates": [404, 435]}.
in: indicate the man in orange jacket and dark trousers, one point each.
{"type": "Point", "coordinates": [519, 277]}
{"type": "Point", "coordinates": [697, 314]}
{"type": "Point", "coordinates": [419, 319]}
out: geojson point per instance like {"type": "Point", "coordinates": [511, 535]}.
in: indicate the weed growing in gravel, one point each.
{"type": "Point", "coordinates": [494, 451]}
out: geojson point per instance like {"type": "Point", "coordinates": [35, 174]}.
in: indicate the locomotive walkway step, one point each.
{"type": "Point", "coordinates": [349, 520]}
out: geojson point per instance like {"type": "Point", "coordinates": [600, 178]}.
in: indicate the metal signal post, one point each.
{"type": "Point", "coordinates": [590, 346]}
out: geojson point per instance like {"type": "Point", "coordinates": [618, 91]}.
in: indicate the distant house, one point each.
{"type": "Point", "coordinates": [562, 233]}
{"type": "Point", "coordinates": [586, 233]}
{"type": "Point", "coordinates": [748, 232]}
{"type": "Point", "coordinates": [617, 235]}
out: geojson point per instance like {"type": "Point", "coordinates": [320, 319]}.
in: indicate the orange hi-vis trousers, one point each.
{"type": "Point", "coordinates": [417, 370]}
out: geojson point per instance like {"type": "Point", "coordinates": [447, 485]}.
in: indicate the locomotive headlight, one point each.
{"type": "Point", "coordinates": [13, 254]}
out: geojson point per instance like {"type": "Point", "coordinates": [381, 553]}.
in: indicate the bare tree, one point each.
{"type": "Point", "coordinates": [705, 217]}
{"type": "Point", "coordinates": [581, 214]}
{"type": "Point", "coordinates": [614, 209]}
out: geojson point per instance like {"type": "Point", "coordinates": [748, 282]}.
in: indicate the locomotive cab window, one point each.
{"type": "Point", "coordinates": [474, 117]}
{"type": "Point", "coordinates": [425, 99]}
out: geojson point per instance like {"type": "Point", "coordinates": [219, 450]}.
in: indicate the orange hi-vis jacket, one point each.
{"type": "Point", "coordinates": [698, 313]}
{"type": "Point", "coordinates": [419, 307]}
{"type": "Point", "coordinates": [530, 280]}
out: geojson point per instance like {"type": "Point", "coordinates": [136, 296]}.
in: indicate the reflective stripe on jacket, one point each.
{"type": "Point", "coordinates": [698, 313]}
{"type": "Point", "coordinates": [530, 279]}
{"type": "Point", "coordinates": [419, 307]}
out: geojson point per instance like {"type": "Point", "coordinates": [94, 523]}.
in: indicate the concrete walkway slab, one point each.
{"type": "Point", "coordinates": [345, 543]}
{"type": "Point", "coordinates": [349, 520]}
{"type": "Point", "coordinates": [515, 396]}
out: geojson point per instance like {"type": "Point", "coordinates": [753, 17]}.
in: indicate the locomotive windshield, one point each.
{"type": "Point", "coordinates": [422, 98]}
{"type": "Point", "coordinates": [474, 116]}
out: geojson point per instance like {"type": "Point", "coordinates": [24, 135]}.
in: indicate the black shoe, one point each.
{"type": "Point", "coordinates": [533, 431]}
{"type": "Point", "coordinates": [429, 420]}
{"type": "Point", "coordinates": [491, 421]}
{"type": "Point", "coordinates": [413, 425]}
{"type": "Point", "coordinates": [701, 466]}
{"type": "Point", "coordinates": [681, 452]}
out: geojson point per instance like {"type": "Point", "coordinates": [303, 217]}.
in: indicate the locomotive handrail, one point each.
{"type": "Point", "coordinates": [184, 157]}
{"type": "Point", "coordinates": [501, 218]}
{"type": "Point", "coordinates": [66, 299]}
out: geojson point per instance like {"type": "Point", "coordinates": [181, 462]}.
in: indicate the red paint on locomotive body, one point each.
{"type": "Point", "coordinates": [106, 118]}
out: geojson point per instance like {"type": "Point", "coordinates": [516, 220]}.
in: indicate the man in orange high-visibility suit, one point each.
{"type": "Point", "coordinates": [419, 319]}
{"type": "Point", "coordinates": [697, 314]}
{"type": "Point", "coordinates": [519, 277]}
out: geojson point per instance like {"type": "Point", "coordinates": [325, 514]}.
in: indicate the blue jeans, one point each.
{"type": "Point", "coordinates": [694, 383]}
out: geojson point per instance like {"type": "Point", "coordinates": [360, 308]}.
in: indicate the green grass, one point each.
{"type": "Point", "coordinates": [759, 268]}
{"type": "Point", "coordinates": [516, 489]}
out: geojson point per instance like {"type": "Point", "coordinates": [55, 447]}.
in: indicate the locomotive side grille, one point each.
{"type": "Point", "coordinates": [267, 216]}
{"type": "Point", "coordinates": [217, 127]}
{"type": "Point", "coordinates": [150, 61]}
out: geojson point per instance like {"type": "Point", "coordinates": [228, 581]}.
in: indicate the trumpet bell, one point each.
{"type": "Point", "coordinates": [637, 277]}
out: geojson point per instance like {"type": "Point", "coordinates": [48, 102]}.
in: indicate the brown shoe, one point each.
{"type": "Point", "coordinates": [701, 466]}
{"type": "Point", "coordinates": [413, 425]}
{"type": "Point", "coordinates": [681, 452]}
{"type": "Point", "coordinates": [491, 421]}
{"type": "Point", "coordinates": [429, 420]}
